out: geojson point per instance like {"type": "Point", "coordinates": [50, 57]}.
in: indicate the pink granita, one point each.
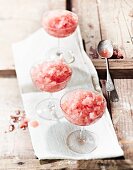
{"type": "Point", "coordinates": [83, 107]}
{"type": "Point", "coordinates": [59, 23]}
{"type": "Point", "coordinates": [51, 76]}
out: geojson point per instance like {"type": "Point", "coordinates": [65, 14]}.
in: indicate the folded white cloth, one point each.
{"type": "Point", "coordinates": [49, 138]}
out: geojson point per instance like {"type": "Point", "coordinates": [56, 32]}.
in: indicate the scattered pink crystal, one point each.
{"type": "Point", "coordinates": [34, 123]}
{"type": "Point", "coordinates": [17, 118]}
{"type": "Point", "coordinates": [24, 123]}
{"type": "Point", "coordinates": [60, 23]}
{"type": "Point", "coordinates": [117, 53]}
{"type": "Point", "coordinates": [51, 76]}
{"type": "Point", "coordinates": [83, 107]}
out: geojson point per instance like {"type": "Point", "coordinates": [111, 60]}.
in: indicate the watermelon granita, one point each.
{"type": "Point", "coordinates": [105, 53]}
{"type": "Point", "coordinates": [59, 23]}
{"type": "Point", "coordinates": [83, 107]}
{"type": "Point", "coordinates": [51, 76]}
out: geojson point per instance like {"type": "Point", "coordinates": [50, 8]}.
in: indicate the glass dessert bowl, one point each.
{"type": "Point", "coordinates": [50, 76]}
{"type": "Point", "coordinates": [82, 107]}
{"type": "Point", "coordinates": [60, 24]}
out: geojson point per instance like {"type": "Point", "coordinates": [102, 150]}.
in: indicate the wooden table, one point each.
{"type": "Point", "coordinates": [112, 19]}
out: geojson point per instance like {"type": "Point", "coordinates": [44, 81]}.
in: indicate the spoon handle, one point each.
{"type": "Point", "coordinates": [109, 82]}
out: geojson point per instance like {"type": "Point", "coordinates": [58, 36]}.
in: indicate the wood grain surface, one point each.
{"type": "Point", "coordinates": [122, 113]}
{"type": "Point", "coordinates": [19, 19]}
{"type": "Point", "coordinates": [33, 164]}
{"type": "Point", "coordinates": [18, 142]}
{"type": "Point", "coordinates": [98, 19]}
{"type": "Point", "coordinates": [119, 68]}
{"type": "Point", "coordinates": [112, 19]}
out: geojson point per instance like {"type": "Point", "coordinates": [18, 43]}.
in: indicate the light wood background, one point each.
{"type": "Point", "coordinates": [98, 19]}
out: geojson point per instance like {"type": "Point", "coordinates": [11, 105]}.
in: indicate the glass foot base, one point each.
{"type": "Point", "coordinates": [49, 109]}
{"type": "Point", "coordinates": [82, 146]}
{"type": "Point", "coordinates": [67, 55]}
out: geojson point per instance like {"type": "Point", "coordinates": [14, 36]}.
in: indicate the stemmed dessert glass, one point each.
{"type": "Point", "coordinates": [82, 107]}
{"type": "Point", "coordinates": [50, 76]}
{"type": "Point", "coordinates": [60, 24]}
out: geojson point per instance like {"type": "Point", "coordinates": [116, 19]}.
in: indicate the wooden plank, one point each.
{"type": "Point", "coordinates": [13, 144]}
{"type": "Point", "coordinates": [122, 113]}
{"type": "Point", "coordinates": [89, 24]}
{"type": "Point", "coordinates": [87, 32]}
{"type": "Point", "coordinates": [68, 5]}
{"type": "Point", "coordinates": [118, 69]}
{"type": "Point", "coordinates": [19, 19]}
{"type": "Point", "coordinates": [103, 20]}
{"type": "Point", "coordinates": [116, 31]}
{"type": "Point", "coordinates": [7, 72]}
{"type": "Point", "coordinates": [127, 11]}
{"type": "Point", "coordinates": [113, 25]}
{"type": "Point", "coordinates": [114, 64]}
{"type": "Point", "coordinates": [116, 74]}
{"type": "Point", "coordinates": [33, 164]}
{"type": "Point", "coordinates": [10, 145]}
{"type": "Point", "coordinates": [16, 143]}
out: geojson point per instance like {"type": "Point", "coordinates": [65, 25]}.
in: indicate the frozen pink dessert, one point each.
{"type": "Point", "coordinates": [51, 76]}
{"type": "Point", "coordinates": [83, 107]}
{"type": "Point", "coordinates": [60, 23]}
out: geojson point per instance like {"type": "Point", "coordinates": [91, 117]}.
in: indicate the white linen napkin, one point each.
{"type": "Point", "coordinates": [49, 138]}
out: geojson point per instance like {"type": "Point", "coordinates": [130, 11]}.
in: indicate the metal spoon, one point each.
{"type": "Point", "coordinates": [105, 49]}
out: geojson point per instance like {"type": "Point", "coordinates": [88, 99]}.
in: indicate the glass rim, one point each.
{"type": "Point", "coordinates": [48, 85]}
{"type": "Point", "coordinates": [74, 14]}
{"type": "Point", "coordinates": [61, 29]}
{"type": "Point", "coordinates": [85, 90]}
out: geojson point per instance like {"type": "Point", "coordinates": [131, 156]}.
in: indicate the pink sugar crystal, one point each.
{"type": "Point", "coordinates": [60, 23]}
{"type": "Point", "coordinates": [82, 107]}
{"type": "Point", "coordinates": [51, 76]}
{"type": "Point", "coordinates": [34, 123]}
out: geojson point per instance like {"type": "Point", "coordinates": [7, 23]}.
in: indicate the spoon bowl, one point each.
{"type": "Point", "coordinates": [105, 48]}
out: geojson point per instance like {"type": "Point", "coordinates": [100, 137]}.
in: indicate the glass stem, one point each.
{"type": "Point", "coordinates": [51, 106]}
{"type": "Point", "coordinates": [82, 135]}
{"type": "Point", "coordinates": [50, 101]}
{"type": "Point", "coordinates": [58, 48]}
